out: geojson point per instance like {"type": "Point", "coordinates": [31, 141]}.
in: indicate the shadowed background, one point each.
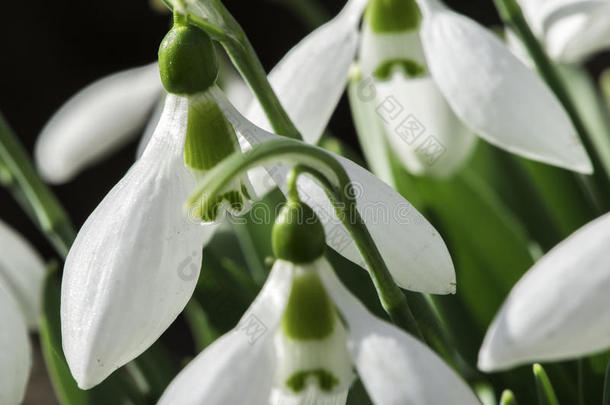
{"type": "Point", "coordinates": [53, 49]}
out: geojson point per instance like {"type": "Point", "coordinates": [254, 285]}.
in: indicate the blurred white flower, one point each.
{"type": "Point", "coordinates": [105, 115]}
{"type": "Point", "coordinates": [260, 362]}
{"type": "Point", "coordinates": [493, 94]}
{"type": "Point", "coordinates": [570, 30]}
{"type": "Point", "coordinates": [15, 355]}
{"type": "Point", "coordinates": [559, 309]}
{"type": "Point", "coordinates": [96, 121]}
{"type": "Point", "coordinates": [22, 273]}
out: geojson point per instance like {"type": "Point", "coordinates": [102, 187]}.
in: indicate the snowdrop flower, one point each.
{"type": "Point", "coordinates": [22, 273]}
{"type": "Point", "coordinates": [96, 121]}
{"type": "Point", "coordinates": [105, 115]}
{"type": "Point", "coordinates": [302, 337]}
{"type": "Point", "coordinates": [135, 261]}
{"type": "Point", "coordinates": [491, 92]}
{"type": "Point", "coordinates": [15, 356]}
{"type": "Point", "coordinates": [559, 309]}
{"type": "Point", "coordinates": [570, 30]}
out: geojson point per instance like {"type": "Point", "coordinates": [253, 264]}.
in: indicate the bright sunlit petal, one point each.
{"type": "Point", "coordinates": [240, 364]}
{"type": "Point", "coordinates": [559, 309]}
{"type": "Point", "coordinates": [498, 97]}
{"type": "Point", "coordinates": [135, 261]}
{"type": "Point", "coordinates": [395, 368]}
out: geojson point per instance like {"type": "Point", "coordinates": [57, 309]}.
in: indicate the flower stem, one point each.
{"type": "Point", "coordinates": [337, 184]}
{"type": "Point", "coordinates": [598, 185]}
{"type": "Point", "coordinates": [212, 17]}
{"type": "Point", "coordinates": [31, 193]}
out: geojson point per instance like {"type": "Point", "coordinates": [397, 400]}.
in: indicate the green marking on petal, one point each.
{"type": "Point", "coordinates": [325, 379]}
{"type": "Point", "coordinates": [210, 138]}
{"type": "Point", "coordinates": [209, 210]}
{"type": "Point", "coordinates": [310, 313]}
{"type": "Point", "coordinates": [393, 15]}
{"type": "Point", "coordinates": [410, 68]}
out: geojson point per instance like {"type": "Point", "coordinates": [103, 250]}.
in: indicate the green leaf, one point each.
{"type": "Point", "coordinates": [37, 200]}
{"type": "Point", "coordinates": [112, 391]}
{"type": "Point", "coordinates": [488, 244]}
{"type": "Point", "coordinates": [199, 324]}
{"type": "Point", "coordinates": [606, 400]}
{"type": "Point", "coordinates": [544, 389]}
{"type": "Point", "coordinates": [508, 398]}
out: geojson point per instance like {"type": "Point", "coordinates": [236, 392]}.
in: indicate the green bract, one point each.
{"type": "Point", "coordinates": [298, 235]}
{"type": "Point", "coordinates": [393, 15]}
{"type": "Point", "coordinates": [187, 60]}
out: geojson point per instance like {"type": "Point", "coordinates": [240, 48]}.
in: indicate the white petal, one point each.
{"type": "Point", "coordinates": [151, 126]}
{"type": "Point", "coordinates": [494, 94]}
{"type": "Point", "coordinates": [311, 77]}
{"type": "Point", "coordinates": [22, 270]}
{"type": "Point", "coordinates": [312, 396]}
{"type": "Point", "coordinates": [15, 353]}
{"type": "Point", "coordinates": [422, 129]}
{"type": "Point", "coordinates": [370, 130]}
{"type": "Point", "coordinates": [414, 252]}
{"type": "Point", "coordinates": [377, 48]}
{"type": "Point", "coordinates": [96, 121]}
{"type": "Point", "coordinates": [578, 30]}
{"type": "Point", "coordinates": [560, 308]}
{"type": "Point", "coordinates": [395, 368]}
{"type": "Point", "coordinates": [238, 367]}
{"type": "Point", "coordinates": [135, 261]}
{"type": "Point", "coordinates": [571, 30]}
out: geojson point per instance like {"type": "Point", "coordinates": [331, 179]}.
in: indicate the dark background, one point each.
{"type": "Point", "coordinates": [51, 49]}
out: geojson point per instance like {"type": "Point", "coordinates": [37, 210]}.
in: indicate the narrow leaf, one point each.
{"type": "Point", "coordinates": [544, 389]}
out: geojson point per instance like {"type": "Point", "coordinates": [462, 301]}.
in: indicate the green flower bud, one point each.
{"type": "Point", "coordinates": [187, 60]}
{"type": "Point", "coordinates": [298, 236]}
{"type": "Point", "coordinates": [393, 15]}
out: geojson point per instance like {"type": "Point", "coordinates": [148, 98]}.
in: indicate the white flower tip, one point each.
{"type": "Point", "coordinates": [499, 351]}
{"type": "Point", "coordinates": [584, 164]}
{"type": "Point", "coordinates": [51, 169]}
{"type": "Point", "coordinates": [87, 370]}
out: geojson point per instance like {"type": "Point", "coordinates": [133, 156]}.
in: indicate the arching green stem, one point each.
{"type": "Point", "coordinates": [599, 183]}
{"type": "Point", "coordinates": [334, 179]}
{"type": "Point", "coordinates": [212, 17]}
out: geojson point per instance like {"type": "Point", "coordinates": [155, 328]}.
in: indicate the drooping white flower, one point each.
{"type": "Point", "coordinates": [15, 355]}
{"type": "Point", "coordinates": [124, 279]}
{"type": "Point", "coordinates": [267, 360]}
{"type": "Point", "coordinates": [570, 30]}
{"type": "Point", "coordinates": [559, 309]}
{"type": "Point", "coordinates": [135, 261]}
{"type": "Point", "coordinates": [22, 271]}
{"type": "Point", "coordinates": [486, 87]}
